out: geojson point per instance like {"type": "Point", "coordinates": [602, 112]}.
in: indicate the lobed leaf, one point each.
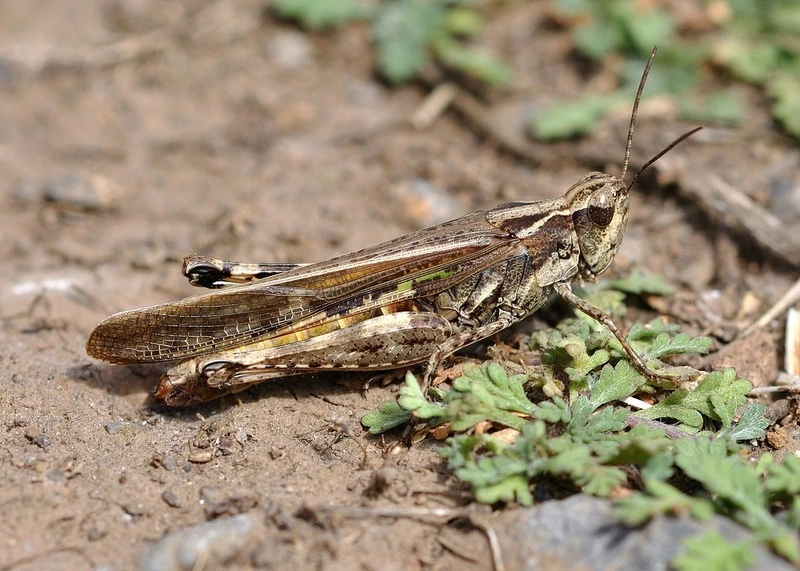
{"type": "Point", "coordinates": [716, 398]}
{"type": "Point", "coordinates": [388, 415]}
{"type": "Point", "coordinates": [752, 424]}
{"type": "Point", "coordinates": [615, 383]}
{"type": "Point", "coordinates": [414, 401]}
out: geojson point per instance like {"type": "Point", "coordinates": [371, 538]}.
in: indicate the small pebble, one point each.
{"type": "Point", "coordinates": [113, 427]}
{"type": "Point", "coordinates": [778, 437]}
{"type": "Point", "coordinates": [80, 192]}
{"type": "Point", "coordinates": [423, 203]}
{"type": "Point", "coordinates": [201, 456]}
{"type": "Point", "coordinates": [291, 50]}
{"type": "Point", "coordinates": [171, 499]}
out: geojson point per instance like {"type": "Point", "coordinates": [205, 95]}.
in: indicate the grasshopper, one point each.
{"type": "Point", "coordinates": [415, 299]}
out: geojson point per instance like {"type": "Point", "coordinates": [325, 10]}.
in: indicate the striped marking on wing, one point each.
{"type": "Point", "coordinates": [239, 315]}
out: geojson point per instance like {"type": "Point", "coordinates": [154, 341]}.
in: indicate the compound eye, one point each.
{"type": "Point", "coordinates": [601, 208]}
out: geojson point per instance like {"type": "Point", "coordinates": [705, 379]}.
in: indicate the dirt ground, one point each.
{"type": "Point", "coordinates": [207, 127]}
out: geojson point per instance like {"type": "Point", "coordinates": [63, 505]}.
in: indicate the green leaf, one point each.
{"type": "Point", "coordinates": [660, 498]}
{"type": "Point", "coordinates": [785, 543]}
{"type": "Point", "coordinates": [502, 476]}
{"type": "Point", "coordinates": [609, 419]}
{"type": "Point", "coordinates": [572, 118]}
{"type": "Point", "coordinates": [716, 397]}
{"type": "Point", "coordinates": [751, 60]}
{"type": "Point", "coordinates": [752, 425]}
{"type": "Point", "coordinates": [721, 108]}
{"type": "Point", "coordinates": [619, 26]}
{"type": "Point", "coordinates": [730, 478]}
{"type": "Point", "coordinates": [601, 481]}
{"type": "Point", "coordinates": [577, 463]}
{"type": "Point", "coordinates": [676, 73]}
{"type": "Point", "coordinates": [784, 18]}
{"type": "Point", "coordinates": [572, 350]}
{"type": "Point", "coordinates": [785, 90]}
{"type": "Point", "coordinates": [458, 451]}
{"type": "Point", "coordinates": [511, 488]}
{"type": "Point", "coordinates": [792, 514]}
{"type": "Point", "coordinates": [677, 405]}
{"type": "Point", "coordinates": [660, 466]}
{"type": "Point", "coordinates": [475, 62]}
{"type": "Point", "coordinates": [784, 479]}
{"type": "Point", "coordinates": [588, 452]}
{"type": "Point", "coordinates": [487, 392]}
{"type": "Point", "coordinates": [612, 301]}
{"type": "Point", "coordinates": [644, 29]}
{"type": "Point", "coordinates": [651, 330]}
{"type": "Point", "coordinates": [412, 400]}
{"type": "Point", "coordinates": [640, 282]}
{"type": "Point", "coordinates": [656, 340]}
{"type": "Point", "coordinates": [573, 8]}
{"type": "Point", "coordinates": [388, 415]}
{"type": "Point", "coordinates": [615, 383]}
{"type": "Point", "coordinates": [580, 411]}
{"type": "Point", "coordinates": [680, 344]}
{"type": "Point", "coordinates": [319, 14]}
{"type": "Point", "coordinates": [403, 31]}
{"type": "Point", "coordinates": [554, 411]}
{"type": "Point", "coordinates": [710, 550]}
{"type": "Point", "coordinates": [597, 39]}
{"type": "Point", "coordinates": [462, 21]}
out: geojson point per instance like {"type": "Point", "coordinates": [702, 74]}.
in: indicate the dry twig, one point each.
{"type": "Point", "coordinates": [419, 514]}
{"type": "Point", "coordinates": [738, 211]}
{"type": "Point", "coordinates": [788, 299]}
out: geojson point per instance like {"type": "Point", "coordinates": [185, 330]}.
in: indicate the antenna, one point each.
{"type": "Point", "coordinates": [639, 91]}
{"type": "Point", "coordinates": [661, 153]}
{"type": "Point", "coordinates": [635, 111]}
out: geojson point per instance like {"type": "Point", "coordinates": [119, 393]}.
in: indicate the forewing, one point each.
{"type": "Point", "coordinates": [190, 326]}
{"type": "Point", "coordinates": [232, 316]}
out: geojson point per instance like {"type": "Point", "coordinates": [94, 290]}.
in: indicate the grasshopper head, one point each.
{"type": "Point", "coordinates": [599, 204]}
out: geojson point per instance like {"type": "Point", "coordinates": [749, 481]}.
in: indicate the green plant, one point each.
{"type": "Point", "coordinates": [619, 27]}
{"type": "Point", "coordinates": [320, 14]}
{"type": "Point", "coordinates": [759, 45]}
{"type": "Point", "coordinates": [762, 497]}
{"type": "Point", "coordinates": [572, 427]}
{"type": "Point", "coordinates": [408, 34]}
{"type": "Point", "coordinates": [756, 43]}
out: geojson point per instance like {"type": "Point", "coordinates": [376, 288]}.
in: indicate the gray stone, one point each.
{"type": "Point", "coordinates": [582, 533]}
{"type": "Point", "coordinates": [211, 544]}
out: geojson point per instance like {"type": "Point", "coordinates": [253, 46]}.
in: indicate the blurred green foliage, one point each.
{"type": "Point", "coordinates": [755, 42]}
{"type": "Point", "coordinates": [408, 34]}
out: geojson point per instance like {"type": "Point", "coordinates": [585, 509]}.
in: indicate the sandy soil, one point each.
{"type": "Point", "coordinates": [216, 130]}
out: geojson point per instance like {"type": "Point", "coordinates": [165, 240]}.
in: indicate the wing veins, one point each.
{"type": "Point", "coordinates": [237, 314]}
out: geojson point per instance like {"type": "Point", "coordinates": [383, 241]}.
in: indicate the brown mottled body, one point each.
{"type": "Point", "coordinates": [417, 298]}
